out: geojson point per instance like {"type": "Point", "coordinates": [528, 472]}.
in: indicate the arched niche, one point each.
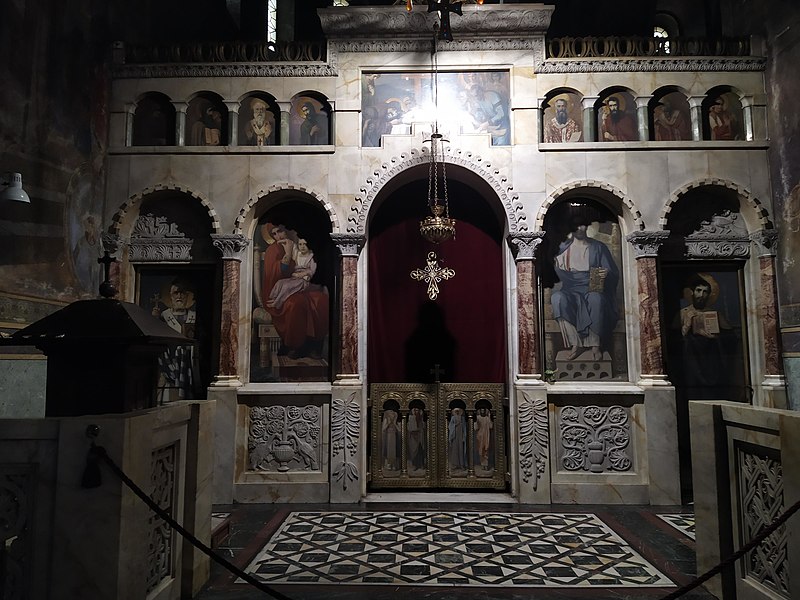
{"type": "Point", "coordinates": [153, 121]}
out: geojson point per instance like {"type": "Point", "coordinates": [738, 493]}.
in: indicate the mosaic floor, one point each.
{"type": "Point", "coordinates": [457, 549]}
{"type": "Point", "coordinates": [682, 522]}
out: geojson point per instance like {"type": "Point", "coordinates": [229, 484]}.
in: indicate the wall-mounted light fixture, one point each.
{"type": "Point", "coordinates": [13, 188]}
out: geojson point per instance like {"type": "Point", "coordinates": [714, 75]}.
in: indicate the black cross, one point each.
{"type": "Point", "coordinates": [444, 8]}
{"type": "Point", "coordinates": [107, 289]}
{"type": "Point", "coordinates": [436, 371]}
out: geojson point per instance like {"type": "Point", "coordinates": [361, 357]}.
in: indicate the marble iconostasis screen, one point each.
{"type": "Point", "coordinates": [468, 102]}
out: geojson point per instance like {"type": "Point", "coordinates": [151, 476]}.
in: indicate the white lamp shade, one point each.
{"type": "Point", "coordinates": [14, 190]}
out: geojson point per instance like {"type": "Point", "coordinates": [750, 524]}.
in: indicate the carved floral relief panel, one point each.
{"type": "Point", "coordinates": [284, 438]}
{"type": "Point", "coordinates": [595, 439]}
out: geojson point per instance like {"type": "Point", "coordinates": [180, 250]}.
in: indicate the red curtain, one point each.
{"type": "Point", "coordinates": [463, 331]}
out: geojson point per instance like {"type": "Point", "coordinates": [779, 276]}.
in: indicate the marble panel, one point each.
{"type": "Point", "coordinates": [348, 444]}
{"type": "Point", "coordinates": [22, 388]}
{"type": "Point", "coordinates": [224, 443]}
{"type": "Point", "coordinates": [526, 126]}
{"type": "Point", "coordinates": [564, 167]}
{"type": "Point", "coordinates": [685, 168]}
{"type": "Point", "coordinates": [528, 167]}
{"type": "Point", "coordinates": [228, 184]}
{"type": "Point", "coordinates": [661, 425]}
{"type": "Point", "coordinates": [345, 173]}
{"type": "Point", "coordinates": [347, 130]}
{"type": "Point", "coordinates": [611, 167]}
{"type": "Point", "coordinates": [648, 184]}
{"type": "Point", "coordinates": [791, 368]}
{"type": "Point", "coordinates": [147, 172]}
{"type": "Point", "coordinates": [310, 171]}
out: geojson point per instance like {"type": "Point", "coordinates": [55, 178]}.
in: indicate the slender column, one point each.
{"type": "Point", "coordinates": [696, 110]}
{"type": "Point", "coordinates": [540, 120]}
{"type": "Point", "coordinates": [589, 119]}
{"type": "Point", "coordinates": [529, 361]}
{"type": "Point", "coordinates": [180, 123]}
{"type": "Point", "coordinates": [130, 110]}
{"type": "Point", "coordinates": [286, 108]}
{"type": "Point", "coordinates": [642, 103]}
{"type": "Point", "coordinates": [645, 246]}
{"type": "Point", "coordinates": [233, 123]}
{"type": "Point", "coordinates": [766, 242]}
{"type": "Point", "coordinates": [232, 247]}
{"type": "Point", "coordinates": [349, 245]}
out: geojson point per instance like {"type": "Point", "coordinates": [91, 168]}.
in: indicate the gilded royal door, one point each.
{"type": "Point", "coordinates": [445, 435]}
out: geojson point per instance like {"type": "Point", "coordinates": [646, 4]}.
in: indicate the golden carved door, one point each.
{"type": "Point", "coordinates": [446, 435]}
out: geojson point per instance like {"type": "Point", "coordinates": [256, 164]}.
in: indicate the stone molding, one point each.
{"type": "Point", "coordinates": [230, 245]}
{"type": "Point", "coordinates": [646, 243]}
{"type": "Point", "coordinates": [649, 65]}
{"type": "Point", "coordinates": [226, 70]}
{"type": "Point", "coordinates": [497, 179]}
{"type": "Point", "coordinates": [349, 244]}
{"type": "Point", "coordinates": [526, 244]}
{"type": "Point", "coordinates": [156, 239]}
{"type": "Point", "coordinates": [766, 241]}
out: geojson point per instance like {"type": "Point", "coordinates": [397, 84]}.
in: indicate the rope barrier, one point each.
{"type": "Point", "coordinates": [98, 452]}
{"type": "Point", "coordinates": [762, 535]}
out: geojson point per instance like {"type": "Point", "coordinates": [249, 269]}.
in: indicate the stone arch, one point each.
{"type": "Point", "coordinates": [135, 200]}
{"type": "Point", "coordinates": [759, 210]}
{"type": "Point", "coordinates": [495, 177]}
{"type": "Point", "coordinates": [248, 207]}
{"type": "Point", "coordinates": [638, 223]}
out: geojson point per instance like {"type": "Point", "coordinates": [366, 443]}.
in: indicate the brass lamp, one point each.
{"type": "Point", "coordinates": [438, 227]}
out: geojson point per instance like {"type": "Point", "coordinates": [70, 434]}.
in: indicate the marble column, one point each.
{"type": "Point", "coordinates": [529, 353]}
{"type": "Point", "coordinates": [233, 123]}
{"type": "Point", "coordinates": [349, 246]}
{"type": "Point", "coordinates": [645, 247]}
{"type": "Point", "coordinates": [130, 111]}
{"type": "Point", "coordinates": [180, 123]}
{"type": "Point", "coordinates": [283, 122]}
{"type": "Point", "coordinates": [642, 102]}
{"type": "Point", "coordinates": [589, 118]}
{"type": "Point", "coordinates": [696, 111]}
{"type": "Point", "coordinates": [231, 247]}
{"type": "Point", "coordinates": [766, 242]}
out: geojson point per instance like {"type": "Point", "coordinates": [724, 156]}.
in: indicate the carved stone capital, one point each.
{"type": "Point", "coordinates": [349, 244]}
{"type": "Point", "coordinates": [230, 245]}
{"type": "Point", "coordinates": [111, 243]}
{"type": "Point", "coordinates": [766, 241]}
{"type": "Point", "coordinates": [526, 243]}
{"type": "Point", "coordinates": [647, 243]}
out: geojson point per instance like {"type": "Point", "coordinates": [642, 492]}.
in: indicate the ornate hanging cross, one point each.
{"type": "Point", "coordinates": [433, 274]}
{"type": "Point", "coordinates": [444, 8]}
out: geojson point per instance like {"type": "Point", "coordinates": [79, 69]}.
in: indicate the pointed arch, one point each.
{"type": "Point", "coordinates": [246, 210]}
{"type": "Point", "coordinates": [638, 223]}
{"type": "Point", "coordinates": [134, 201]}
{"type": "Point", "coordinates": [759, 210]}
{"type": "Point", "coordinates": [496, 178]}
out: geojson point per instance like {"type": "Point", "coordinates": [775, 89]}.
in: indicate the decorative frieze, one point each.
{"type": "Point", "coordinates": [231, 246]}
{"type": "Point", "coordinates": [345, 434]}
{"type": "Point", "coordinates": [650, 65]}
{"type": "Point", "coordinates": [595, 439]}
{"type": "Point", "coordinates": [155, 239]}
{"type": "Point", "coordinates": [526, 243]}
{"type": "Point", "coordinates": [722, 236]}
{"type": "Point", "coordinates": [533, 438]}
{"type": "Point", "coordinates": [761, 501]}
{"type": "Point", "coordinates": [160, 545]}
{"type": "Point", "coordinates": [647, 243]}
{"type": "Point", "coordinates": [284, 438]}
{"type": "Point", "coordinates": [349, 244]}
{"type": "Point", "coordinates": [225, 70]}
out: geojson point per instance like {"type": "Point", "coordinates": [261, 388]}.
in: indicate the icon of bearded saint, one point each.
{"type": "Point", "coordinates": [561, 128]}
{"type": "Point", "coordinates": [259, 128]}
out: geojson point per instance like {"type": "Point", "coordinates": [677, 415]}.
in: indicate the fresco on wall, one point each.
{"type": "Point", "coordinates": [308, 124]}
{"type": "Point", "coordinates": [724, 117]}
{"type": "Point", "coordinates": [256, 123]}
{"type": "Point", "coordinates": [205, 123]}
{"type": "Point", "coordinates": [672, 119]}
{"type": "Point", "coordinates": [583, 301]}
{"type": "Point", "coordinates": [616, 118]}
{"type": "Point", "coordinates": [183, 298]}
{"type": "Point", "coordinates": [562, 119]}
{"type": "Point", "coordinates": [291, 288]}
{"type": "Point", "coordinates": [469, 102]}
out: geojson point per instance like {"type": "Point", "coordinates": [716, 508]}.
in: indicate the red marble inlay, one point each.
{"type": "Point", "coordinates": [229, 323]}
{"type": "Point", "coordinates": [349, 333]}
{"type": "Point", "coordinates": [649, 321]}
{"type": "Point", "coordinates": [768, 302]}
{"type": "Point", "coordinates": [527, 318]}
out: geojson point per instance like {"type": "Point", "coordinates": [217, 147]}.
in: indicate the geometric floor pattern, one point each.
{"type": "Point", "coordinates": [454, 548]}
{"type": "Point", "coordinates": [683, 523]}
